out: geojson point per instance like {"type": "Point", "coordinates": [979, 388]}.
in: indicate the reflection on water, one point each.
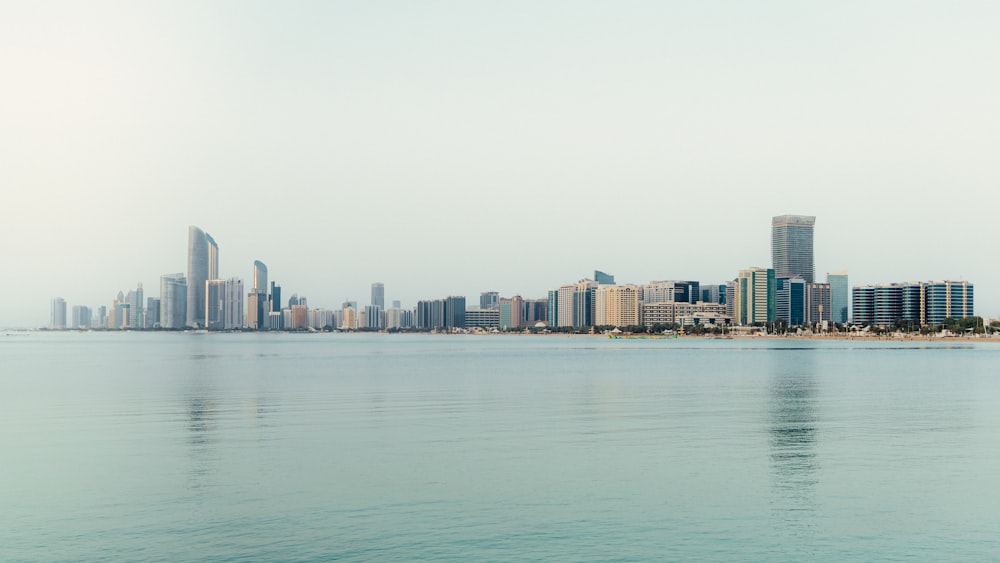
{"type": "Point", "coordinates": [201, 428]}
{"type": "Point", "coordinates": [792, 425]}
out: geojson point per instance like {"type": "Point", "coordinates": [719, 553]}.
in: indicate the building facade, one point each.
{"type": "Point", "coordinates": [203, 265]}
{"type": "Point", "coordinates": [792, 246]}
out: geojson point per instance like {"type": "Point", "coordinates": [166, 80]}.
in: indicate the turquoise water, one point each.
{"type": "Point", "coordinates": [365, 447]}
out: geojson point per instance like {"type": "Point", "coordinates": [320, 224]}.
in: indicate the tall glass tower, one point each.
{"type": "Point", "coordinates": [792, 246]}
{"type": "Point", "coordinates": [838, 296]}
{"type": "Point", "coordinates": [203, 265]}
{"type": "Point", "coordinates": [378, 295]}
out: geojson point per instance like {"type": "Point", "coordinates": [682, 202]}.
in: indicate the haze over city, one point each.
{"type": "Point", "coordinates": [450, 149]}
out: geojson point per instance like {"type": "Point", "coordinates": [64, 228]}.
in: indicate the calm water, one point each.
{"type": "Point", "coordinates": [318, 447]}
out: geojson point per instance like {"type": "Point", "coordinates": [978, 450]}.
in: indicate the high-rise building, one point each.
{"type": "Point", "coordinates": [616, 305]}
{"type": "Point", "coordinates": [57, 319]}
{"type": "Point", "coordinates": [173, 301]}
{"type": "Point", "coordinates": [863, 306]}
{"type": "Point", "coordinates": [259, 277]}
{"type": "Point", "coordinates": [275, 297]}
{"type": "Point", "coordinates": [838, 296]}
{"type": "Point", "coordinates": [792, 246]}
{"type": "Point", "coordinates": [81, 317]}
{"type": "Point", "coordinates": [948, 300]}
{"type": "Point", "coordinates": [552, 308]}
{"type": "Point", "coordinates": [215, 304]}
{"type": "Point", "coordinates": [603, 278]}
{"type": "Point", "coordinates": [378, 296]}
{"type": "Point", "coordinates": [232, 315]}
{"type": "Point", "coordinates": [489, 300]}
{"type": "Point", "coordinates": [454, 312]}
{"type": "Point", "coordinates": [152, 313]}
{"type": "Point", "coordinates": [203, 265]}
{"type": "Point", "coordinates": [754, 297]}
{"type": "Point", "coordinates": [912, 303]}
{"type": "Point", "coordinates": [137, 319]}
{"type": "Point", "coordinates": [818, 303]}
{"type": "Point", "coordinates": [511, 313]}
{"type": "Point", "coordinates": [486, 319]}
{"type": "Point", "coordinates": [790, 300]}
{"type": "Point", "coordinates": [671, 291]}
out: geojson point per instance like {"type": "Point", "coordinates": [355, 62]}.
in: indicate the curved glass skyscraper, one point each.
{"type": "Point", "coordinates": [203, 265]}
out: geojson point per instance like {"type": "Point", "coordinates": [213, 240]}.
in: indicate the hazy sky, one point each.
{"type": "Point", "coordinates": [457, 147]}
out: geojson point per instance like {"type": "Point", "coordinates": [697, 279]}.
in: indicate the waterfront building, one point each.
{"type": "Point", "coordinates": [489, 300]}
{"type": "Point", "coordinates": [371, 317]}
{"type": "Point", "coordinates": [564, 302]}
{"type": "Point", "coordinates": [394, 318]}
{"type": "Point", "coordinates": [617, 305]}
{"type": "Point", "coordinates": [730, 301]}
{"type": "Point", "coordinates": [863, 304]}
{"type": "Point", "coordinates": [713, 293]}
{"type": "Point", "coordinates": [454, 312]}
{"type": "Point", "coordinates": [754, 299]}
{"type": "Point", "coordinates": [583, 303]}
{"type": "Point", "coordinates": [258, 308]}
{"type": "Point", "coordinates": [173, 301]}
{"type": "Point", "coordinates": [136, 313]}
{"type": "Point", "coordinates": [889, 304]}
{"type": "Point", "coordinates": [215, 295]}
{"type": "Point", "coordinates": [259, 277]}
{"type": "Point", "coordinates": [81, 317]}
{"type": "Point", "coordinates": [792, 246]}
{"type": "Point", "coordinates": [152, 313]}
{"type": "Point", "coordinates": [101, 317]}
{"type": "Point", "coordinates": [670, 312]}
{"type": "Point", "coordinates": [378, 295]}
{"type": "Point", "coordinates": [818, 307]}
{"type": "Point", "coordinates": [535, 311]}
{"type": "Point", "coordinates": [321, 319]}
{"type": "Point", "coordinates": [57, 317]}
{"type": "Point", "coordinates": [485, 319]}
{"type": "Point", "coordinates": [275, 297]}
{"type": "Point", "coordinates": [275, 320]}
{"type": "Point", "coordinates": [948, 300]}
{"type": "Point", "coordinates": [232, 317]}
{"type": "Point", "coordinates": [603, 279]}
{"type": "Point", "coordinates": [348, 315]}
{"type": "Point", "coordinates": [552, 308]}
{"type": "Point", "coordinates": [203, 265]}
{"type": "Point", "coordinates": [511, 313]}
{"type": "Point", "coordinates": [671, 290]}
{"type": "Point", "coordinates": [790, 300]}
{"type": "Point", "coordinates": [298, 316]}
{"type": "Point", "coordinates": [838, 296]}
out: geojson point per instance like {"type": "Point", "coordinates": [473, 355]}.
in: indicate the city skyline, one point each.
{"type": "Point", "coordinates": [341, 144]}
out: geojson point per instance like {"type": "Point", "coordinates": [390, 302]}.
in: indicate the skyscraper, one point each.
{"type": "Point", "coordinates": [792, 246]}
{"type": "Point", "coordinates": [754, 297]}
{"type": "Point", "coordinates": [838, 296]}
{"type": "Point", "coordinates": [378, 295]}
{"type": "Point", "coordinates": [603, 278]}
{"type": "Point", "coordinates": [58, 317]}
{"type": "Point", "coordinates": [215, 304]}
{"type": "Point", "coordinates": [203, 265]}
{"type": "Point", "coordinates": [489, 300]}
{"type": "Point", "coordinates": [232, 309]}
{"type": "Point", "coordinates": [259, 277]}
{"type": "Point", "coordinates": [173, 300]}
{"type": "Point", "coordinates": [137, 318]}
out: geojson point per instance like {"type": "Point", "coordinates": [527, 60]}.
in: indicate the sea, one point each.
{"type": "Point", "coordinates": [389, 447]}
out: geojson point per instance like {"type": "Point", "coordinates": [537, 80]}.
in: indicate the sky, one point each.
{"type": "Point", "coordinates": [450, 148]}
